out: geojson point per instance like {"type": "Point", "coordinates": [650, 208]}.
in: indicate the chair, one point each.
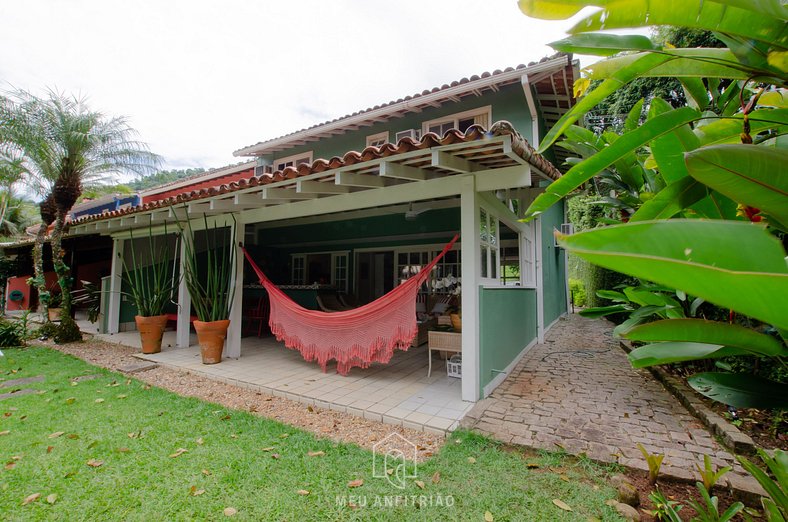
{"type": "Point", "coordinates": [328, 302]}
{"type": "Point", "coordinates": [348, 300]}
{"type": "Point", "coordinates": [255, 315]}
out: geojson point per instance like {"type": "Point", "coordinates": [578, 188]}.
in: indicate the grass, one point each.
{"type": "Point", "coordinates": [138, 479]}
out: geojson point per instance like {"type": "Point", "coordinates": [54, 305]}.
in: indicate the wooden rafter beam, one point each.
{"type": "Point", "coordinates": [444, 160]}
{"type": "Point", "coordinates": [320, 187]}
{"type": "Point", "coordinates": [286, 194]}
{"type": "Point", "coordinates": [352, 179]}
{"type": "Point", "coordinates": [399, 171]}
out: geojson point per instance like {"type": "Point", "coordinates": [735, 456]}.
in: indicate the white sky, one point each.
{"type": "Point", "coordinates": [200, 79]}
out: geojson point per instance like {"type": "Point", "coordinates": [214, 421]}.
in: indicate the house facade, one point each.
{"type": "Point", "coordinates": [356, 205]}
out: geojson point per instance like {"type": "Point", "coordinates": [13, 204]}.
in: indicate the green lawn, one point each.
{"type": "Point", "coordinates": [139, 480]}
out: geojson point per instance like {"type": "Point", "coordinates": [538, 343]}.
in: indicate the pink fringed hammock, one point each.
{"type": "Point", "coordinates": [357, 337]}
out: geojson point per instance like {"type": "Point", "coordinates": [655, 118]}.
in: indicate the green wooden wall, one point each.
{"type": "Point", "coordinates": [553, 266]}
{"type": "Point", "coordinates": [507, 104]}
{"type": "Point", "coordinates": [507, 323]}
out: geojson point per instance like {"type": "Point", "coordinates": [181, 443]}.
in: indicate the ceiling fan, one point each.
{"type": "Point", "coordinates": [412, 214]}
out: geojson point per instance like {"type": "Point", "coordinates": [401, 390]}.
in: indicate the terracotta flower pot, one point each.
{"type": "Point", "coordinates": [151, 332]}
{"type": "Point", "coordinates": [54, 314]}
{"type": "Point", "coordinates": [211, 336]}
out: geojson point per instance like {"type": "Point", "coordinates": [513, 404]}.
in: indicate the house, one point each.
{"type": "Point", "coordinates": [359, 203]}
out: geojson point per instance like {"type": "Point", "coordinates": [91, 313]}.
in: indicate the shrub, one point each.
{"type": "Point", "coordinates": [578, 290]}
{"type": "Point", "coordinates": [11, 334]}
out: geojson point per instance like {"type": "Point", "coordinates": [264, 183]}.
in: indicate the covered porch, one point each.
{"type": "Point", "coordinates": [399, 393]}
{"type": "Point", "coordinates": [480, 181]}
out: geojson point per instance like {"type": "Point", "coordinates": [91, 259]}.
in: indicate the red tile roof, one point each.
{"type": "Point", "coordinates": [475, 134]}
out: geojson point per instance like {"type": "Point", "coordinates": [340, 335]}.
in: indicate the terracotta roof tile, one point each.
{"type": "Point", "coordinates": [429, 140]}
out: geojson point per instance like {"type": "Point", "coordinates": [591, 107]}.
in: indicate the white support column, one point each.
{"type": "Point", "coordinates": [539, 280]}
{"type": "Point", "coordinates": [233, 343]}
{"type": "Point", "coordinates": [113, 309]}
{"type": "Point", "coordinates": [469, 237]}
{"type": "Point", "coordinates": [183, 328]}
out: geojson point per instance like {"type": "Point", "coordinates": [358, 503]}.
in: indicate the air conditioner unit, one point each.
{"type": "Point", "coordinates": [410, 133]}
{"type": "Point", "coordinates": [567, 229]}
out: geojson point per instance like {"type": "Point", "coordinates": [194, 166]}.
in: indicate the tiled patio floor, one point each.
{"type": "Point", "coordinates": [398, 393]}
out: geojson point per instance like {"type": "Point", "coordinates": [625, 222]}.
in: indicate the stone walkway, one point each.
{"type": "Point", "coordinates": [577, 391]}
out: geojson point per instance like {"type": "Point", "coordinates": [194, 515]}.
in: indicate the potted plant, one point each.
{"type": "Point", "coordinates": [55, 299]}
{"type": "Point", "coordinates": [151, 281]}
{"type": "Point", "coordinates": [210, 280]}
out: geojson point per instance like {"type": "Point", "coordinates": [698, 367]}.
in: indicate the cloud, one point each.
{"type": "Point", "coordinates": [200, 79]}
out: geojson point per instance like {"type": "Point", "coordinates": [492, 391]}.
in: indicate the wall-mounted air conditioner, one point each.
{"type": "Point", "coordinates": [410, 133]}
{"type": "Point", "coordinates": [567, 229]}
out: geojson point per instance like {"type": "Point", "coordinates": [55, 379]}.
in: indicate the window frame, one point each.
{"type": "Point", "coordinates": [454, 119]}
{"type": "Point", "coordinates": [372, 138]}
{"type": "Point", "coordinates": [303, 257]}
{"type": "Point", "coordinates": [295, 159]}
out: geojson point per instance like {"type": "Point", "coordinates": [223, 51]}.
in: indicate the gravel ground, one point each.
{"type": "Point", "coordinates": [339, 427]}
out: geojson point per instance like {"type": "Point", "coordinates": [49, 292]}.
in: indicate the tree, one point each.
{"type": "Point", "coordinates": [162, 177]}
{"type": "Point", "coordinates": [721, 158]}
{"type": "Point", "coordinates": [67, 146]}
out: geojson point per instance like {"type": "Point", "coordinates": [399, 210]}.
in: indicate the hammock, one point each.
{"type": "Point", "coordinates": [354, 338]}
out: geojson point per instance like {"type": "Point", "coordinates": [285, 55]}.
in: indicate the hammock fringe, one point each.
{"type": "Point", "coordinates": [353, 338]}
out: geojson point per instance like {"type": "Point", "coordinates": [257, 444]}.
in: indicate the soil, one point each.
{"type": "Point", "coordinates": [337, 426]}
{"type": "Point", "coordinates": [760, 425]}
{"type": "Point", "coordinates": [681, 493]}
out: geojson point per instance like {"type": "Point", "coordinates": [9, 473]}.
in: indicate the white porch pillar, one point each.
{"type": "Point", "coordinates": [539, 280]}
{"type": "Point", "coordinates": [116, 281]}
{"type": "Point", "coordinates": [233, 343]}
{"type": "Point", "coordinates": [182, 334]}
{"type": "Point", "coordinates": [469, 237]}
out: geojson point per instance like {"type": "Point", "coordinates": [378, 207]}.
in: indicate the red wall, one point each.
{"type": "Point", "coordinates": [17, 283]}
{"type": "Point", "coordinates": [215, 182]}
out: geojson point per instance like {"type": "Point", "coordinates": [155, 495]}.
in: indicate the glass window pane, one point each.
{"type": "Point", "coordinates": [493, 263]}
{"type": "Point", "coordinates": [483, 231]}
{"type": "Point", "coordinates": [484, 261]}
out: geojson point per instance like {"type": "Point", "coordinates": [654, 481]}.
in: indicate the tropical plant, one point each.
{"type": "Point", "coordinates": [65, 146]}
{"type": "Point", "coordinates": [720, 158]}
{"type": "Point", "coordinates": [210, 276]}
{"type": "Point", "coordinates": [776, 505]}
{"type": "Point", "coordinates": [89, 297]}
{"type": "Point", "coordinates": [664, 509]}
{"type": "Point", "coordinates": [709, 510]}
{"type": "Point", "coordinates": [151, 278]}
{"type": "Point", "coordinates": [654, 462]}
{"type": "Point", "coordinates": [708, 474]}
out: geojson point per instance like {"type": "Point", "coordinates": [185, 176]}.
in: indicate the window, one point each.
{"type": "Point", "coordinates": [528, 254]}
{"type": "Point", "coordinates": [460, 121]}
{"type": "Point", "coordinates": [292, 161]}
{"type": "Point", "coordinates": [376, 140]}
{"type": "Point", "coordinates": [340, 262]}
{"type": "Point", "coordinates": [510, 255]}
{"type": "Point", "coordinates": [445, 277]}
{"type": "Point", "coordinates": [488, 239]}
{"type": "Point", "coordinates": [326, 268]}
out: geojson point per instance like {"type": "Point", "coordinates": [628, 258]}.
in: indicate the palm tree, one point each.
{"type": "Point", "coordinates": [66, 147]}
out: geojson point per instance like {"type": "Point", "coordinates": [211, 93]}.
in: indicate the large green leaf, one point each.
{"type": "Point", "coordinates": [697, 95]}
{"type": "Point", "coordinates": [628, 142]}
{"type": "Point", "coordinates": [563, 9]}
{"type": "Point", "coordinates": [736, 265]}
{"type": "Point", "coordinates": [710, 16]}
{"type": "Point", "coordinates": [601, 44]}
{"type": "Point", "coordinates": [728, 130]}
{"type": "Point", "coordinates": [751, 175]}
{"type": "Point", "coordinates": [685, 63]}
{"type": "Point", "coordinates": [715, 206]}
{"type": "Point", "coordinates": [669, 149]}
{"type": "Point", "coordinates": [702, 331]}
{"type": "Point", "coordinates": [621, 77]}
{"type": "Point", "coordinates": [741, 390]}
{"type": "Point", "coordinates": [602, 311]}
{"type": "Point", "coordinates": [673, 352]}
{"type": "Point", "coordinates": [671, 200]}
